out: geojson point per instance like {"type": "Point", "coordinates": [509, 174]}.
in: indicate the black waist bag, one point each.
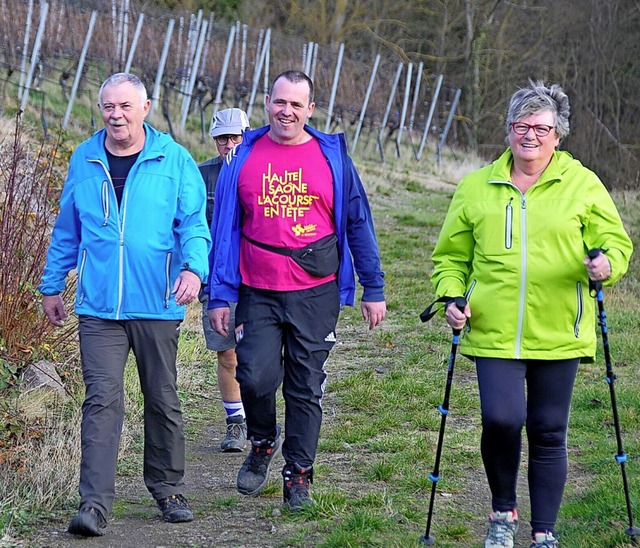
{"type": "Point", "coordinates": [319, 258]}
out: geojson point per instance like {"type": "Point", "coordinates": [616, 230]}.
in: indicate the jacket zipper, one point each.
{"type": "Point", "coordinates": [83, 262]}
{"type": "Point", "coordinates": [167, 277]}
{"type": "Point", "coordinates": [523, 274]}
{"type": "Point", "coordinates": [121, 224]}
{"type": "Point", "coordinates": [105, 201]}
{"type": "Point", "coordinates": [467, 297]}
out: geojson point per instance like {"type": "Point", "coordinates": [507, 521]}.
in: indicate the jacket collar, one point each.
{"type": "Point", "coordinates": [501, 168]}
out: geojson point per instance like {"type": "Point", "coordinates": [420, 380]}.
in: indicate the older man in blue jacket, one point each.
{"type": "Point", "coordinates": [132, 223]}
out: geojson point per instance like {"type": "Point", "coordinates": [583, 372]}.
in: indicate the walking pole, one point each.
{"type": "Point", "coordinates": [461, 303]}
{"type": "Point", "coordinates": [595, 287]}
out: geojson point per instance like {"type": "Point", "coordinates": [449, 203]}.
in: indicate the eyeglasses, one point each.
{"type": "Point", "coordinates": [541, 130]}
{"type": "Point", "coordinates": [224, 139]}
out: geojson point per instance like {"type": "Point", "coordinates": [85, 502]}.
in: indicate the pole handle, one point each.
{"type": "Point", "coordinates": [593, 253]}
{"type": "Point", "coordinates": [461, 304]}
{"type": "Point", "coordinates": [594, 285]}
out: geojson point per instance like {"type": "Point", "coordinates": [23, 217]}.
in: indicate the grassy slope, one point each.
{"type": "Point", "coordinates": [378, 442]}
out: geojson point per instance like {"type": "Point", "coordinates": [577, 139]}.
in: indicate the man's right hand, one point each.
{"type": "Point", "coordinates": [53, 307]}
{"type": "Point", "coordinates": [219, 319]}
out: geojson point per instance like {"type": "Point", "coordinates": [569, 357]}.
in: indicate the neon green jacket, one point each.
{"type": "Point", "coordinates": [518, 259]}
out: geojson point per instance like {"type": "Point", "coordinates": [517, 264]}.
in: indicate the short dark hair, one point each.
{"type": "Point", "coordinates": [295, 77]}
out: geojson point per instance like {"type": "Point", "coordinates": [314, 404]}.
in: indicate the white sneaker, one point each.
{"type": "Point", "coordinates": [544, 540]}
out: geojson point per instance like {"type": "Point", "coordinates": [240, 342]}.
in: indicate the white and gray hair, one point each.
{"type": "Point", "coordinates": [121, 78]}
{"type": "Point", "coordinates": [540, 98]}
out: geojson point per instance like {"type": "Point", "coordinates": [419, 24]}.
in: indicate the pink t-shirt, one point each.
{"type": "Point", "coordinates": [286, 194]}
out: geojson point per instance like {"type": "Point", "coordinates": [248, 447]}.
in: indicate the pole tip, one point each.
{"type": "Point", "coordinates": [633, 532]}
{"type": "Point", "coordinates": [427, 541]}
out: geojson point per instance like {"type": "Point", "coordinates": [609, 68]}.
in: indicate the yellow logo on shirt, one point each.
{"type": "Point", "coordinates": [285, 195]}
{"type": "Point", "coordinates": [300, 230]}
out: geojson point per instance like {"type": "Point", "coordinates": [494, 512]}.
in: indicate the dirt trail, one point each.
{"type": "Point", "coordinates": [225, 518]}
{"type": "Point", "coordinates": [222, 516]}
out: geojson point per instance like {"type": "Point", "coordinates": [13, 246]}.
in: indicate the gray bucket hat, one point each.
{"type": "Point", "coordinates": [230, 121]}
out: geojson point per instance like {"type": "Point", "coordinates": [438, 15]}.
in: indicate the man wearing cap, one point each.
{"type": "Point", "coordinates": [227, 127]}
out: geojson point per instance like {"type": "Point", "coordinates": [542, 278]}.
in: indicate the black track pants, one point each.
{"type": "Point", "coordinates": [286, 339]}
{"type": "Point", "coordinates": [544, 408]}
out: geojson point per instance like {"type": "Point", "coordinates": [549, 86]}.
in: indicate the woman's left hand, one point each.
{"type": "Point", "coordinates": [599, 268]}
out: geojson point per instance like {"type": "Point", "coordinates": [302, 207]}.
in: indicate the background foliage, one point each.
{"type": "Point", "coordinates": [487, 48]}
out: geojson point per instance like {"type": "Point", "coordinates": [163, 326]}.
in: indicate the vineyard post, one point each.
{"type": "Point", "coordinates": [432, 108]}
{"type": "Point", "coordinates": [334, 88]}
{"type": "Point", "coordinates": [76, 81]}
{"type": "Point", "coordinates": [155, 96]}
{"type": "Point", "coordinates": [223, 72]}
{"type": "Point", "coordinates": [44, 9]}
{"type": "Point", "coordinates": [25, 48]}
{"type": "Point", "coordinates": [134, 43]}
{"type": "Point", "coordinates": [194, 73]}
{"type": "Point", "coordinates": [363, 110]}
{"type": "Point", "coordinates": [405, 106]}
{"type": "Point", "coordinates": [385, 119]}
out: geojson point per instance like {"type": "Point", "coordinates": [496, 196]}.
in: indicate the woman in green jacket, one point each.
{"type": "Point", "coordinates": [515, 243]}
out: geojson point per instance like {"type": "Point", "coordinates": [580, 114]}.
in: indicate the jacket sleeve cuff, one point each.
{"type": "Point", "coordinates": [217, 303]}
{"type": "Point", "coordinates": [373, 294]}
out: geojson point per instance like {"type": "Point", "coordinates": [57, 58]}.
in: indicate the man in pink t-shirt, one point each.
{"type": "Point", "coordinates": [285, 188]}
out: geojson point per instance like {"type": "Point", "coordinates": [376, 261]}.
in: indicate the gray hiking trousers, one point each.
{"type": "Point", "coordinates": [104, 347]}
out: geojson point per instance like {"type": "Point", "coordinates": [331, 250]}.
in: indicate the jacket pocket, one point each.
{"type": "Point", "coordinates": [104, 195]}
{"type": "Point", "coordinates": [167, 280]}
{"type": "Point", "coordinates": [579, 310]}
{"type": "Point", "coordinates": [508, 225]}
{"type": "Point", "coordinates": [83, 263]}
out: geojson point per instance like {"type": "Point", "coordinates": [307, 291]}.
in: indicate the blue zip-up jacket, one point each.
{"type": "Point", "coordinates": [354, 224]}
{"type": "Point", "coordinates": [128, 257]}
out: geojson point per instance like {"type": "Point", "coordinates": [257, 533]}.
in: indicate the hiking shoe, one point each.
{"type": "Point", "coordinates": [88, 522]}
{"type": "Point", "coordinates": [502, 530]}
{"type": "Point", "coordinates": [175, 509]}
{"type": "Point", "coordinates": [296, 487]}
{"type": "Point", "coordinates": [254, 473]}
{"type": "Point", "coordinates": [236, 437]}
{"type": "Point", "coordinates": [544, 540]}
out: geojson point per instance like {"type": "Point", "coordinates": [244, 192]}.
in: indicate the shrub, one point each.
{"type": "Point", "coordinates": [32, 444]}
{"type": "Point", "coordinates": [30, 183]}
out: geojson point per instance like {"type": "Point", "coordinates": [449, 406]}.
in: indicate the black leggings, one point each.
{"type": "Point", "coordinates": [545, 410]}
